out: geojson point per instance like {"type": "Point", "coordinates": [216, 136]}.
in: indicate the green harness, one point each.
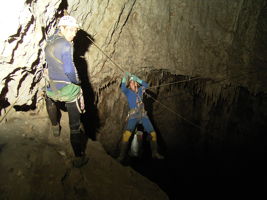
{"type": "Point", "coordinates": [68, 93]}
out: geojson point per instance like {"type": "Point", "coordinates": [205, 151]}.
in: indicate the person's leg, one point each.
{"type": "Point", "coordinates": [76, 134]}
{"type": "Point", "coordinates": [148, 127]}
{"type": "Point", "coordinates": [124, 145]}
{"type": "Point", "coordinates": [53, 113]}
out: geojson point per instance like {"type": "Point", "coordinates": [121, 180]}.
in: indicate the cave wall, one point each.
{"type": "Point", "coordinates": [25, 27]}
{"type": "Point", "coordinates": [218, 40]}
{"type": "Point", "coordinates": [204, 118]}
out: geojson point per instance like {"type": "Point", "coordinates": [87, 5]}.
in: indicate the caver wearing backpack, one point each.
{"type": "Point", "coordinates": [64, 85]}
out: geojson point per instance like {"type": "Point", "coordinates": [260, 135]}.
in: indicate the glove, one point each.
{"type": "Point", "coordinates": [125, 77]}
{"type": "Point", "coordinates": [128, 74]}
{"type": "Point", "coordinates": [123, 80]}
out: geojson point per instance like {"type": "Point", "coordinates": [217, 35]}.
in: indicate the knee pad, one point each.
{"type": "Point", "coordinates": [126, 135]}
{"type": "Point", "coordinates": [153, 136]}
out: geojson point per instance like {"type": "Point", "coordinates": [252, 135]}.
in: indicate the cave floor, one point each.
{"type": "Point", "coordinates": [36, 165]}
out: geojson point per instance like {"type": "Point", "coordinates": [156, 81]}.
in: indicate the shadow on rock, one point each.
{"type": "Point", "coordinates": [90, 118]}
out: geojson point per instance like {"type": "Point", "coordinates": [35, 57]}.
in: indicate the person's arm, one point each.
{"type": "Point", "coordinates": [68, 65]}
{"type": "Point", "coordinates": [123, 85]}
{"type": "Point", "coordinates": [140, 82]}
{"type": "Point", "coordinates": [144, 84]}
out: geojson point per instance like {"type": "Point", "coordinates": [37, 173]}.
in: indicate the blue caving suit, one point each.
{"type": "Point", "coordinates": [62, 72]}
{"type": "Point", "coordinates": [137, 113]}
{"type": "Point", "coordinates": [59, 57]}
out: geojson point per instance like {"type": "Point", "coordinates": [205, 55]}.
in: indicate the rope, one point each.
{"type": "Point", "coordinates": [106, 55]}
{"type": "Point", "coordinates": [180, 116]}
{"type": "Point", "coordinates": [169, 109]}
{"type": "Point", "coordinates": [124, 70]}
{"type": "Point", "coordinates": [174, 83]}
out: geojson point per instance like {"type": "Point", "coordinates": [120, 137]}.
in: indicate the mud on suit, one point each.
{"type": "Point", "coordinates": [64, 87]}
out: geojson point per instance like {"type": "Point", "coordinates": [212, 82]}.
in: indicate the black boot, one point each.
{"type": "Point", "coordinates": [56, 130]}
{"type": "Point", "coordinates": [154, 150]}
{"type": "Point", "coordinates": [77, 146]}
{"type": "Point", "coordinates": [123, 153]}
{"type": "Point", "coordinates": [53, 114]}
{"type": "Point", "coordinates": [80, 161]}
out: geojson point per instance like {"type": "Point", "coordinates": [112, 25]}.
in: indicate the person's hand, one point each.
{"type": "Point", "coordinates": [128, 74]}
{"type": "Point", "coordinates": [123, 80]}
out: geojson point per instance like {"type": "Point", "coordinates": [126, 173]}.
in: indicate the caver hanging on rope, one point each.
{"type": "Point", "coordinates": [167, 84]}
{"type": "Point", "coordinates": [137, 114]}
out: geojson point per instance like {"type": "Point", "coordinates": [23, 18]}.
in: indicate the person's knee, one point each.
{"type": "Point", "coordinates": [153, 136]}
{"type": "Point", "coordinates": [74, 116]}
{"type": "Point", "coordinates": [126, 136]}
{"type": "Point", "coordinates": [75, 136]}
{"type": "Point", "coordinates": [75, 126]}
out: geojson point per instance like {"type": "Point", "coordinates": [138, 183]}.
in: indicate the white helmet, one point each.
{"type": "Point", "coordinates": [68, 21]}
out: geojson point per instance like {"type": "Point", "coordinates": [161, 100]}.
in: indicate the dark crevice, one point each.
{"type": "Point", "coordinates": [30, 1]}
{"type": "Point", "coordinates": [15, 36]}
{"type": "Point", "coordinates": [61, 8]}
{"type": "Point", "coordinates": [36, 62]}
{"type": "Point", "coordinates": [3, 100]}
{"type": "Point", "coordinates": [21, 38]}
{"type": "Point", "coordinates": [21, 81]}
{"type": "Point", "coordinates": [60, 13]}
{"type": "Point", "coordinates": [26, 107]}
{"type": "Point", "coordinates": [44, 35]}
{"type": "Point", "coordinates": [37, 78]}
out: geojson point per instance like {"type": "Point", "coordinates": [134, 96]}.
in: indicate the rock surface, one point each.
{"type": "Point", "coordinates": [217, 49]}
{"type": "Point", "coordinates": [182, 37]}
{"type": "Point", "coordinates": [34, 167]}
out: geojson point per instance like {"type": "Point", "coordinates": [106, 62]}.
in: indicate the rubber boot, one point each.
{"type": "Point", "coordinates": [56, 130]}
{"type": "Point", "coordinates": [77, 146]}
{"type": "Point", "coordinates": [123, 152]}
{"type": "Point", "coordinates": [154, 147]}
{"type": "Point", "coordinates": [80, 161]}
{"type": "Point", "coordinates": [140, 143]}
{"type": "Point", "coordinates": [154, 150]}
{"type": "Point", "coordinates": [124, 147]}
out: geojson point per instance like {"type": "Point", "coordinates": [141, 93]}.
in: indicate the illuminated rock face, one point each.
{"type": "Point", "coordinates": [219, 40]}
